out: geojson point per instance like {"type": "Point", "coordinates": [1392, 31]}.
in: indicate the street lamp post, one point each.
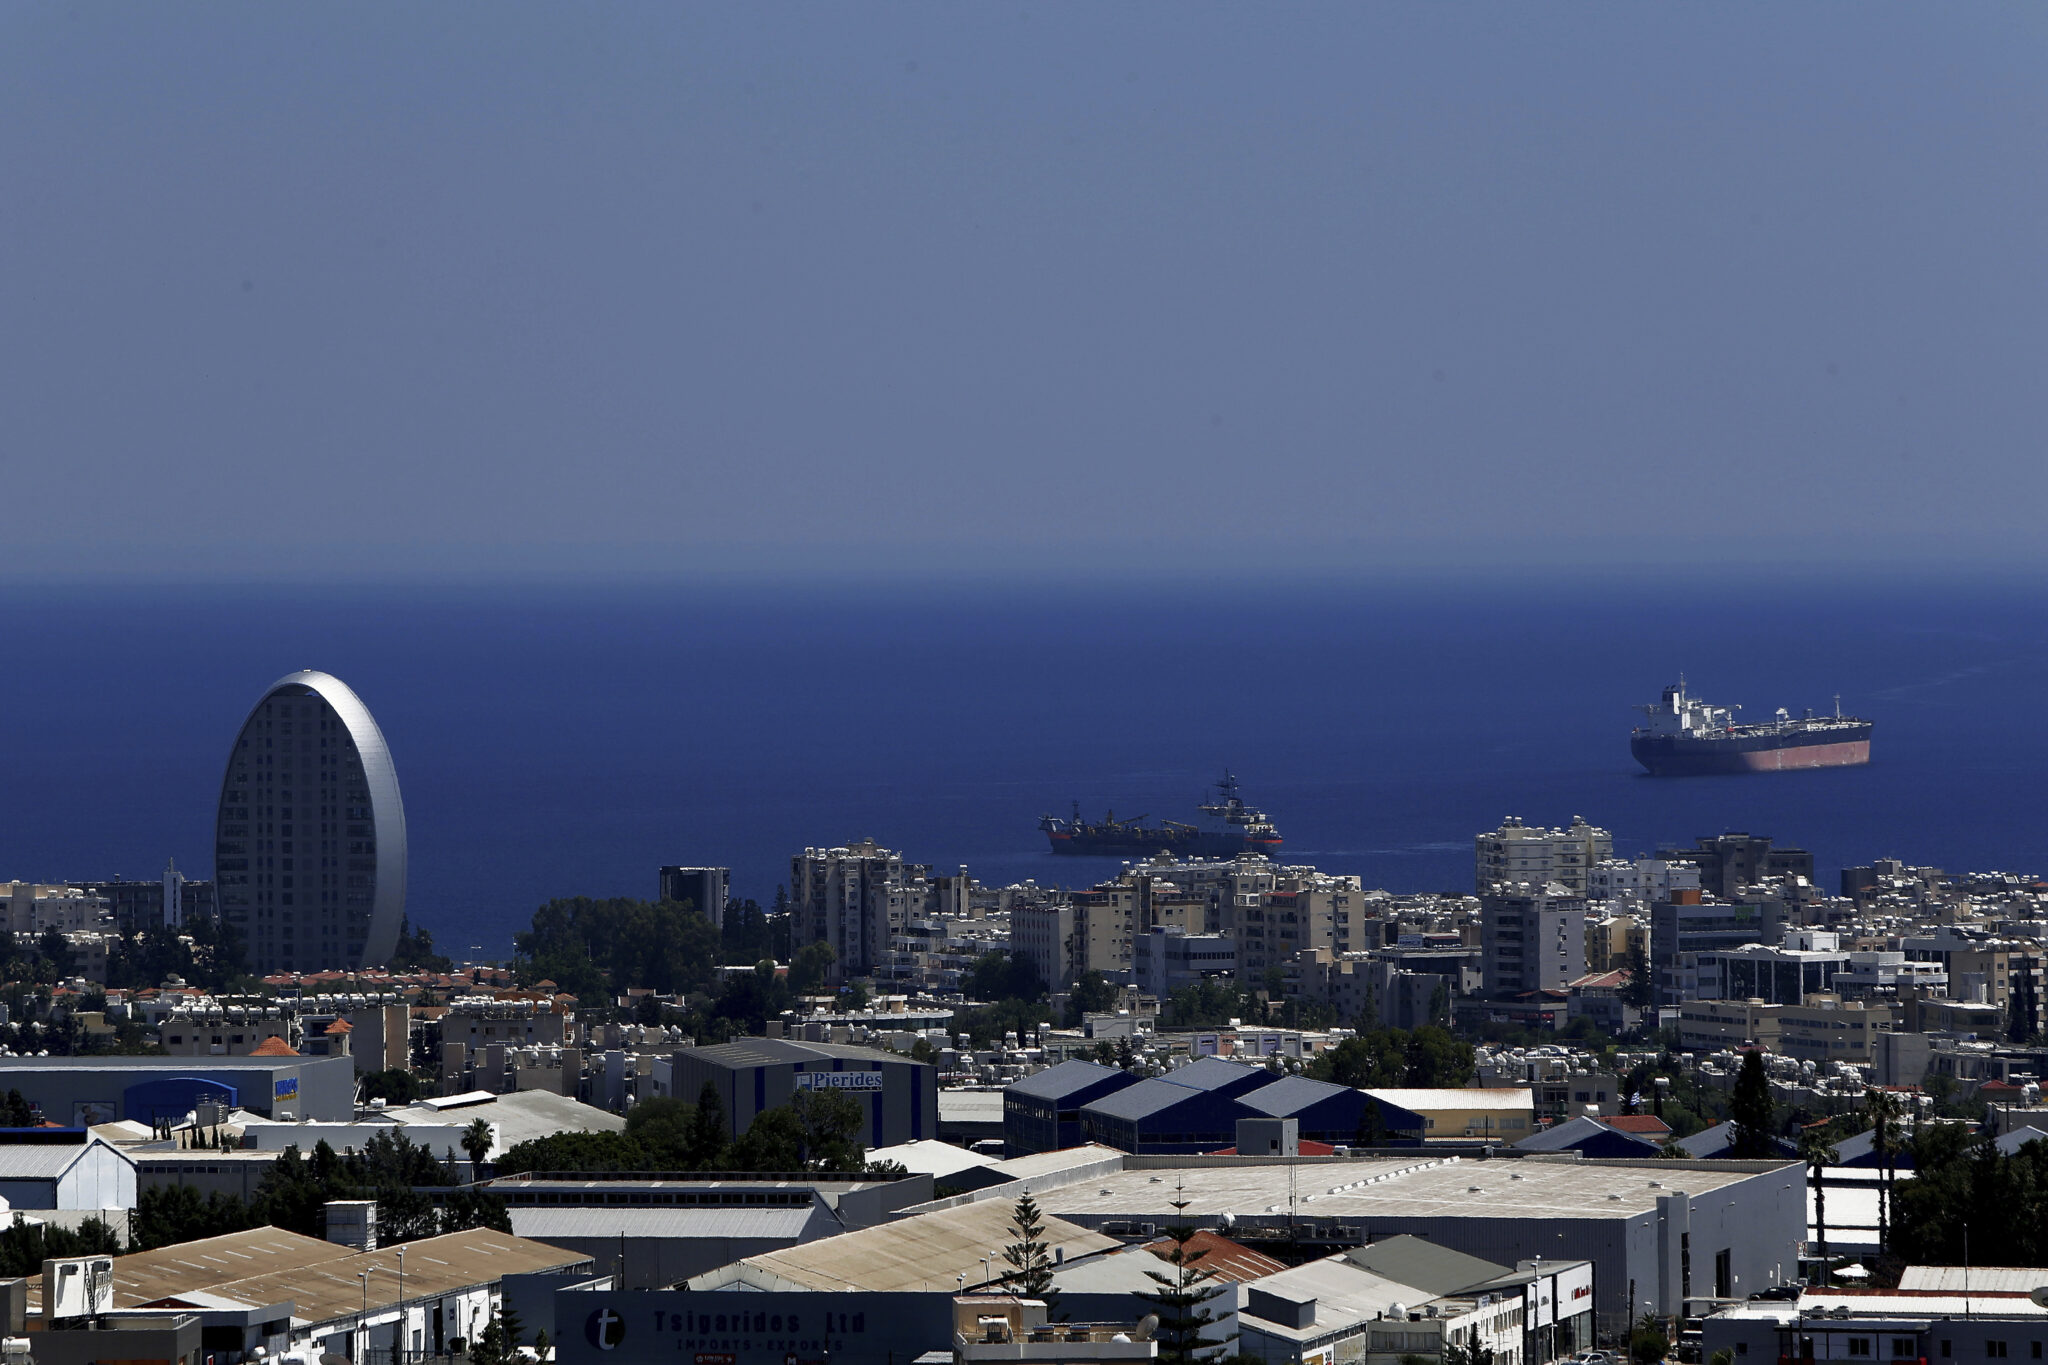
{"type": "Point", "coordinates": [364, 1276]}
{"type": "Point", "coordinates": [404, 1346]}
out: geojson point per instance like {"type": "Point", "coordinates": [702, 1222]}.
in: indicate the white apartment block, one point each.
{"type": "Point", "coordinates": [1529, 853]}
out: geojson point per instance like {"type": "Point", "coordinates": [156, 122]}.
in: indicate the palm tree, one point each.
{"type": "Point", "coordinates": [1884, 1113]}
{"type": "Point", "coordinates": [476, 1142]}
{"type": "Point", "coordinates": [1818, 1153]}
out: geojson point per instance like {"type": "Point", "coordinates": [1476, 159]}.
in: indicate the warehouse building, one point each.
{"type": "Point", "coordinates": [1042, 1112]}
{"type": "Point", "coordinates": [88, 1090]}
{"type": "Point", "coordinates": [1659, 1232]}
{"type": "Point", "coordinates": [898, 1097]}
{"type": "Point", "coordinates": [1196, 1108]}
{"type": "Point", "coordinates": [278, 1290]}
{"type": "Point", "coordinates": [63, 1168]}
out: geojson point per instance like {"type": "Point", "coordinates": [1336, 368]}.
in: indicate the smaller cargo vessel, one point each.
{"type": "Point", "coordinates": [1245, 830]}
{"type": "Point", "coordinates": [1685, 737]}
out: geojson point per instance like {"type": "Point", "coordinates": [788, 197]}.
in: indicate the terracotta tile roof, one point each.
{"type": "Point", "coordinates": [274, 1047]}
{"type": "Point", "coordinates": [1649, 1125]}
{"type": "Point", "coordinates": [1222, 1258]}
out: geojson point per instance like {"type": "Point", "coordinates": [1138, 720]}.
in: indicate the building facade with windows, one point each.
{"type": "Point", "coordinates": [309, 841]}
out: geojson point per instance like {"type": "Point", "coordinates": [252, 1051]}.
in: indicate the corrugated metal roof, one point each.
{"type": "Point", "coordinates": [926, 1157]}
{"type": "Point", "coordinates": [788, 1224]}
{"type": "Point", "coordinates": [1503, 1097]}
{"type": "Point", "coordinates": [331, 1290]}
{"type": "Point", "coordinates": [145, 1276]}
{"type": "Point", "coordinates": [43, 1160]}
{"type": "Point", "coordinates": [1057, 1082]}
{"type": "Point", "coordinates": [1424, 1264]}
{"type": "Point", "coordinates": [1146, 1098]}
{"type": "Point", "coordinates": [928, 1251]}
{"type": "Point", "coordinates": [1290, 1095]}
{"type": "Point", "coordinates": [1978, 1279]}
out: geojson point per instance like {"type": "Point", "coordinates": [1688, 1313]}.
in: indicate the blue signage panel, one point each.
{"type": "Point", "coordinates": [742, 1327]}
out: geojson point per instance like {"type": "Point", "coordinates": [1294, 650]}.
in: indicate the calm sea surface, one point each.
{"type": "Point", "coordinates": [563, 741]}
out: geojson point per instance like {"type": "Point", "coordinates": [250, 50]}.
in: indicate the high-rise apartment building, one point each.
{"type": "Point", "coordinates": [1529, 853]}
{"type": "Point", "coordinates": [1689, 924]}
{"type": "Point", "coordinates": [170, 900]}
{"type": "Point", "coordinates": [853, 898]}
{"type": "Point", "coordinates": [309, 848]}
{"type": "Point", "coordinates": [1531, 938]}
{"type": "Point", "coordinates": [706, 888]}
{"type": "Point", "coordinates": [1730, 862]}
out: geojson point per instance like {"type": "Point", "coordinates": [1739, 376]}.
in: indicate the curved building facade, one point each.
{"type": "Point", "coordinates": [309, 843]}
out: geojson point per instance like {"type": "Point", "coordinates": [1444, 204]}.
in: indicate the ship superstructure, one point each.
{"type": "Point", "coordinates": [1686, 737]}
{"type": "Point", "coordinates": [1245, 829]}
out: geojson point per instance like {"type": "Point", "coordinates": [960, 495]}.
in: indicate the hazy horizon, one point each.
{"type": "Point", "coordinates": [376, 293]}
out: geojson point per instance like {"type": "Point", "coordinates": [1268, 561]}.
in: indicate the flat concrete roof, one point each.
{"type": "Point", "coordinates": [1422, 1186]}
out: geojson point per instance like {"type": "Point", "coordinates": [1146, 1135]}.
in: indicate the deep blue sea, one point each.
{"type": "Point", "coordinates": [570, 740]}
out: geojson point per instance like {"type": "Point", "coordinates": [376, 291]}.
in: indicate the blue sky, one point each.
{"type": "Point", "coordinates": [383, 289]}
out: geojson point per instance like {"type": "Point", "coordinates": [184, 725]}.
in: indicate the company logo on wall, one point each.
{"type": "Point", "coordinates": [839, 1080]}
{"type": "Point", "coordinates": [605, 1329]}
{"type": "Point", "coordinates": [286, 1089]}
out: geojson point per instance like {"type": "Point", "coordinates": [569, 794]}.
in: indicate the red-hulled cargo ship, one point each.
{"type": "Point", "coordinates": [1685, 737]}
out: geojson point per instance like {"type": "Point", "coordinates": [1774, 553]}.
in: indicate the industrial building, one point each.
{"type": "Point", "coordinates": [278, 1290]}
{"type": "Point", "coordinates": [898, 1097]}
{"type": "Point", "coordinates": [1935, 1315]}
{"type": "Point", "coordinates": [649, 1232]}
{"type": "Point", "coordinates": [63, 1168]}
{"type": "Point", "coordinates": [1658, 1232]}
{"type": "Point", "coordinates": [97, 1089]}
{"type": "Point", "coordinates": [1042, 1112]}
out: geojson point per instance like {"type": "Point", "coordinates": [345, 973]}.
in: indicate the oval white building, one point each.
{"type": "Point", "coordinates": [309, 842]}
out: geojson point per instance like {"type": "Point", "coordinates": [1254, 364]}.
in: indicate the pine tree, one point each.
{"type": "Point", "coordinates": [1030, 1263]}
{"type": "Point", "coordinates": [1750, 1109]}
{"type": "Point", "coordinates": [1183, 1294]}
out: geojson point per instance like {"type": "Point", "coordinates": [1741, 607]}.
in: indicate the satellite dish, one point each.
{"type": "Point", "coordinates": [1149, 1324]}
{"type": "Point", "coordinates": [2040, 1297]}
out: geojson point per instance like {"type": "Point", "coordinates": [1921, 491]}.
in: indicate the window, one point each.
{"type": "Point", "coordinates": [1947, 1348]}
{"type": "Point", "coordinates": [1742, 1348]}
{"type": "Point", "coordinates": [1902, 1348]}
{"type": "Point", "coordinates": [1994, 1350]}
{"type": "Point", "coordinates": [1859, 1346]}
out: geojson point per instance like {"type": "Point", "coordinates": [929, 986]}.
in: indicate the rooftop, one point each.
{"type": "Point", "coordinates": [926, 1251]}
{"type": "Point", "coordinates": [1401, 1187]}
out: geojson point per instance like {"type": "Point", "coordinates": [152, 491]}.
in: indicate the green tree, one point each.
{"type": "Point", "coordinates": [1647, 1343]}
{"type": "Point", "coordinates": [1184, 1292]}
{"type": "Point", "coordinates": [707, 1136]}
{"type": "Point", "coordinates": [1752, 1110]}
{"type": "Point", "coordinates": [1092, 993]}
{"type": "Point", "coordinates": [498, 1342]}
{"type": "Point", "coordinates": [477, 1139]}
{"type": "Point", "coordinates": [395, 1085]}
{"type": "Point", "coordinates": [774, 1141]}
{"type": "Point", "coordinates": [414, 952]}
{"type": "Point", "coordinates": [574, 1152]}
{"type": "Point", "coordinates": [1471, 1352]}
{"type": "Point", "coordinates": [24, 1246]}
{"type": "Point", "coordinates": [596, 948]}
{"type": "Point", "coordinates": [1638, 991]}
{"type": "Point", "coordinates": [1884, 1109]}
{"type": "Point", "coordinates": [812, 967]}
{"type": "Point", "coordinates": [1030, 1262]}
{"type": "Point", "coordinates": [166, 1215]}
{"type": "Point", "coordinates": [1818, 1153]}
